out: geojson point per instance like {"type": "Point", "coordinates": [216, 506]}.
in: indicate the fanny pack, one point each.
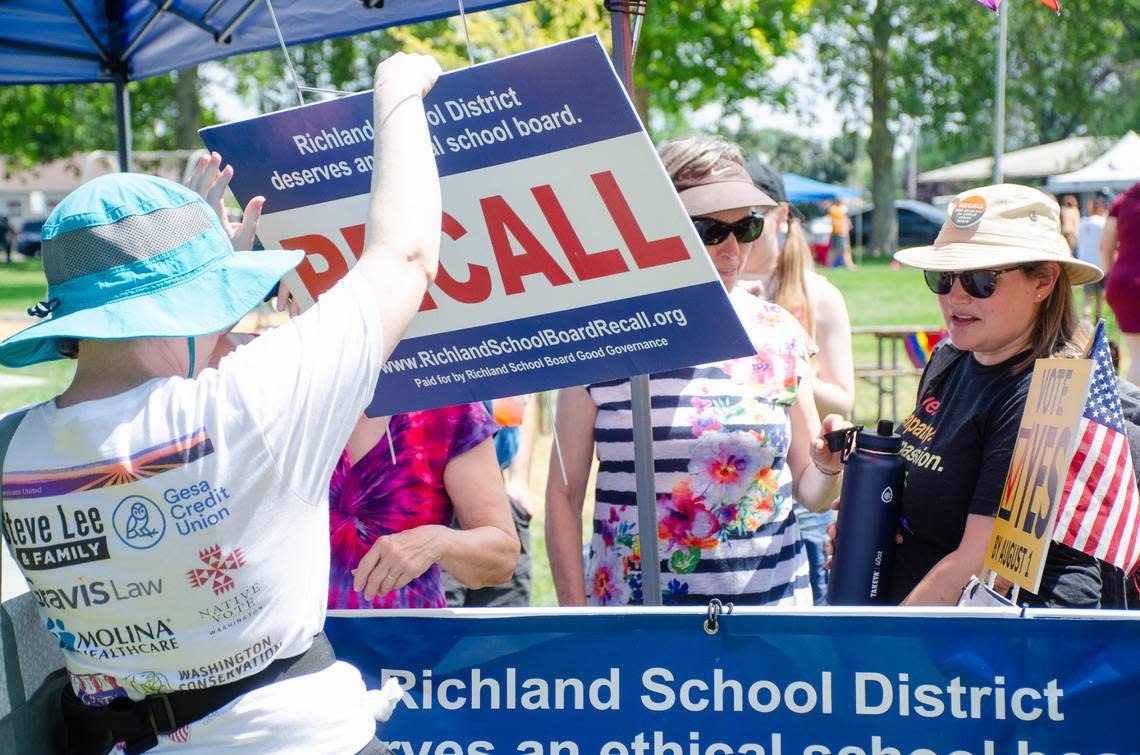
{"type": "Point", "coordinates": [95, 730]}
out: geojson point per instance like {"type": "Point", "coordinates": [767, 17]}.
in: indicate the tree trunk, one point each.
{"type": "Point", "coordinates": [641, 104]}
{"type": "Point", "coordinates": [881, 145]}
{"type": "Point", "coordinates": [189, 109]}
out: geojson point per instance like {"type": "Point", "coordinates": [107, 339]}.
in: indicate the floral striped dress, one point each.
{"type": "Point", "coordinates": [724, 491]}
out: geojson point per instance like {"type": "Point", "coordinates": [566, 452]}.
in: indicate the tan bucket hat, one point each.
{"type": "Point", "coordinates": [1000, 226]}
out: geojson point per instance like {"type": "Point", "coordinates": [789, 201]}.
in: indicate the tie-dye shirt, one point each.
{"type": "Point", "coordinates": [373, 497]}
{"type": "Point", "coordinates": [721, 433]}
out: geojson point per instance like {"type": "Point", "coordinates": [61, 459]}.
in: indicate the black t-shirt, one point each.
{"type": "Point", "coordinates": [957, 445]}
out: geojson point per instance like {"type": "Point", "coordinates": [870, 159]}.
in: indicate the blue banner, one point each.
{"type": "Point", "coordinates": [766, 683]}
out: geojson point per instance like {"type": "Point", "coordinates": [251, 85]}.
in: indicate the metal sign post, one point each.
{"type": "Point", "coordinates": [999, 96]}
{"type": "Point", "coordinates": [639, 384]}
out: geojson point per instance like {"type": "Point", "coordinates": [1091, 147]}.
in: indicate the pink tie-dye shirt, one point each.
{"type": "Point", "coordinates": [373, 497]}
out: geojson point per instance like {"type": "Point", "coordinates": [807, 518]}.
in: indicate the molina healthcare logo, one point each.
{"type": "Point", "coordinates": [139, 522]}
{"type": "Point", "coordinates": [218, 565]}
{"type": "Point", "coordinates": [66, 638]}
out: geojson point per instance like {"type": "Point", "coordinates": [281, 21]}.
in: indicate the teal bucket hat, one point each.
{"type": "Point", "coordinates": [134, 256]}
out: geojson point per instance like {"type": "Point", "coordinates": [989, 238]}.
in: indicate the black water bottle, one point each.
{"type": "Point", "coordinates": [869, 503]}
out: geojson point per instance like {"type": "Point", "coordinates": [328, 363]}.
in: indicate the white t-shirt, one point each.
{"type": "Point", "coordinates": [1088, 238]}
{"type": "Point", "coordinates": [176, 535]}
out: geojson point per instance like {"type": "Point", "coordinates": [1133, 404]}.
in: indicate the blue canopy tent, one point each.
{"type": "Point", "coordinates": [117, 41]}
{"type": "Point", "coordinates": [803, 189]}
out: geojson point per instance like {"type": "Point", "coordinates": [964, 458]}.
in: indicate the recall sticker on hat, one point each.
{"type": "Point", "coordinates": [968, 212]}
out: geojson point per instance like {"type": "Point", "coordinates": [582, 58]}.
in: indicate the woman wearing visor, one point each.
{"type": "Point", "coordinates": [732, 440]}
{"type": "Point", "coordinates": [1003, 275]}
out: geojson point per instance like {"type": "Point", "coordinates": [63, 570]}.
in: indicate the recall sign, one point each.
{"type": "Point", "coordinates": [567, 257]}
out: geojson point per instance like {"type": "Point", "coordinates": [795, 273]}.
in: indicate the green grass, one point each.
{"type": "Point", "coordinates": [877, 295]}
{"type": "Point", "coordinates": [56, 376]}
{"type": "Point", "coordinates": [21, 284]}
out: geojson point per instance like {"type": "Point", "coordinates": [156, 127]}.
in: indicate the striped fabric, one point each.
{"type": "Point", "coordinates": [721, 433]}
{"type": "Point", "coordinates": [1100, 506]}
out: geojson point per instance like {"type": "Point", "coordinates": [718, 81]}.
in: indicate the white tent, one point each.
{"type": "Point", "coordinates": [1116, 169]}
{"type": "Point", "coordinates": [1029, 164]}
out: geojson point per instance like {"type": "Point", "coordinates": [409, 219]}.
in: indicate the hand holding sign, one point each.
{"type": "Point", "coordinates": [401, 76]}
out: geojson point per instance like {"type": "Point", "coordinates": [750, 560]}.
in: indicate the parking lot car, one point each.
{"type": "Point", "coordinates": [28, 239]}
{"type": "Point", "coordinates": [919, 224]}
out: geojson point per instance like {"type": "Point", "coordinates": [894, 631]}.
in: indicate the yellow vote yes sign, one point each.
{"type": "Point", "coordinates": [1036, 480]}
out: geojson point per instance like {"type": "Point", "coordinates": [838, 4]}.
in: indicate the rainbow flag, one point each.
{"type": "Point", "coordinates": [920, 345]}
{"type": "Point", "coordinates": [1054, 5]}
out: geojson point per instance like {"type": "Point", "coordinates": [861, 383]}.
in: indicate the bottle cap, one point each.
{"type": "Point", "coordinates": [882, 440]}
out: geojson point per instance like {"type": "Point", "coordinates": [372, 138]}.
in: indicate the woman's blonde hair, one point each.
{"type": "Point", "coordinates": [1056, 331]}
{"type": "Point", "coordinates": [792, 268]}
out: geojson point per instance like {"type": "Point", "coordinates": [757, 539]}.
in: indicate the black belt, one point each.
{"type": "Point", "coordinates": [95, 730]}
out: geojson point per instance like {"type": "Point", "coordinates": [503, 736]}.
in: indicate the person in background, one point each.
{"type": "Point", "coordinates": [840, 236]}
{"type": "Point", "coordinates": [1003, 274]}
{"type": "Point", "coordinates": [1089, 231]}
{"type": "Point", "coordinates": [517, 417]}
{"type": "Point", "coordinates": [211, 481]}
{"type": "Point", "coordinates": [778, 270]}
{"type": "Point", "coordinates": [390, 519]}
{"type": "Point", "coordinates": [1120, 258]}
{"type": "Point", "coordinates": [733, 440]}
{"type": "Point", "coordinates": [5, 239]}
{"type": "Point", "coordinates": [1070, 220]}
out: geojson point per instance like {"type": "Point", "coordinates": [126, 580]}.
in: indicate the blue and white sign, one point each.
{"type": "Point", "coordinates": [767, 683]}
{"type": "Point", "coordinates": [567, 257]}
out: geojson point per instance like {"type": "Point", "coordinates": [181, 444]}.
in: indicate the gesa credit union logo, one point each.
{"type": "Point", "coordinates": [139, 522]}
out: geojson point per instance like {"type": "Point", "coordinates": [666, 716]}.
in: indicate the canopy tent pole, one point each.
{"type": "Point", "coordinates": [123, 124]}
{"type": "Point", "coordinates": [643, 464]}
{"type": "Point", "coordinates": [115, 59]}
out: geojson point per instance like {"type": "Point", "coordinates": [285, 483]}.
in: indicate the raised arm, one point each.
{"type": "Point", "coordinates": [574, 423]}
{"type": "Point", "coordinates": [401, 239]}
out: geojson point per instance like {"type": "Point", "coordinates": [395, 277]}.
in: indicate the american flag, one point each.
{"type": "Point", "coordinates": [1100, 507]}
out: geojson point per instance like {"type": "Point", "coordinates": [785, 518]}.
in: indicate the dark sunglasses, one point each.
{"type": "Point", "coordinates": [712, 232]}
{"type": "Point", "coordinates": [979, 284]}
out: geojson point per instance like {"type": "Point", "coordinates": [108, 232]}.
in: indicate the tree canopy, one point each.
{"type": "Point", "coordinates": [890, 64]}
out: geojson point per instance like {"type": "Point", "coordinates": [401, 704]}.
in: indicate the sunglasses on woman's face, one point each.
{"type": "Point", "coordinates": [713, 232]}
{"type": "Point", "coordinates": [979, 284]}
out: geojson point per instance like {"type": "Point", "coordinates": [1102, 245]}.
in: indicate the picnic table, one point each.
{"type": "Point", "coordinates": [885, 373]}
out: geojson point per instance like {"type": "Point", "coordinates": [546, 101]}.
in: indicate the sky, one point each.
{"type": "Point", "coordinates": [816, 116]}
